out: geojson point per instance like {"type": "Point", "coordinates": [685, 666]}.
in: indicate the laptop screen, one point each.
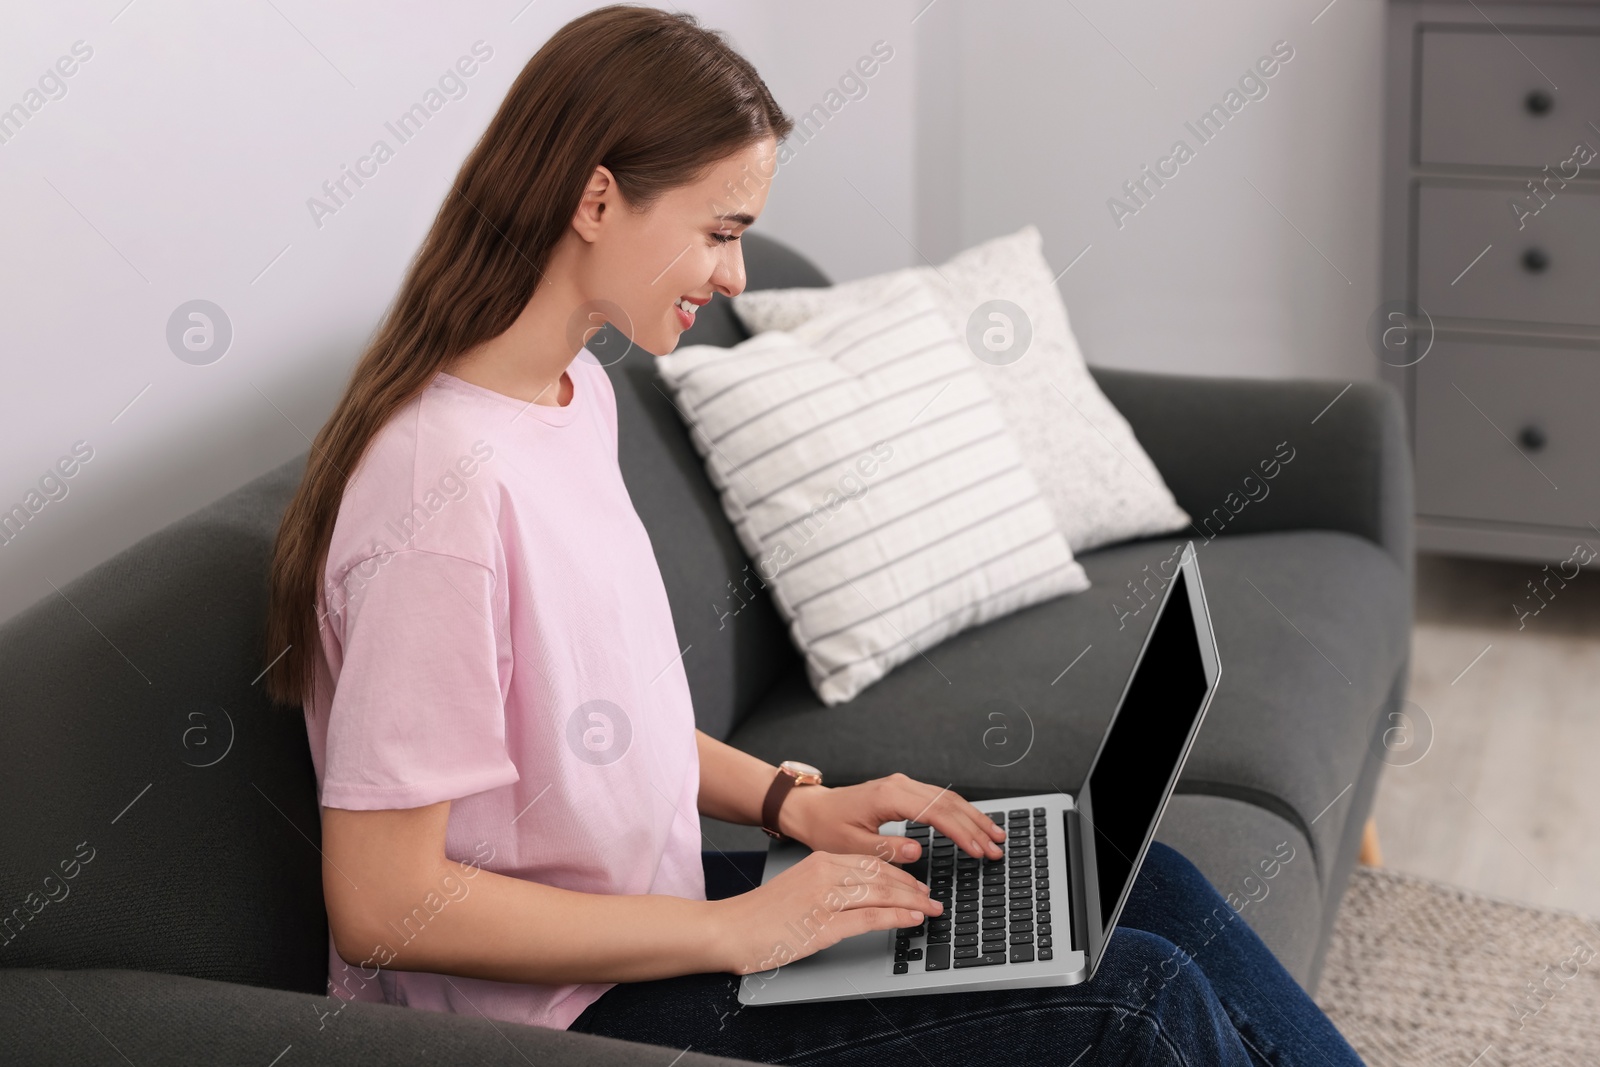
{"type": "Point", "coordinates": [1129, 779]}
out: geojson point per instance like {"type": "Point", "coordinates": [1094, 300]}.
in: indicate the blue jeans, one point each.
{"type": "Point", "coordinates": [1184, 981]}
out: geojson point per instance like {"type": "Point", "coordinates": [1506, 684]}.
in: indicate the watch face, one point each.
{"type": "Point", "coordinates": [800, 768]}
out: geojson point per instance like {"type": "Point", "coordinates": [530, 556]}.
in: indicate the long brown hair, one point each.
{"type": "Point", "coordinates": [650, 95]}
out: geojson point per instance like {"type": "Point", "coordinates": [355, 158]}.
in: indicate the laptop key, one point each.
{"type": "Point", "coordinates": [1045, 941]}
{"type": "Point", "coordinates": [901, 967]}
{"type": "Point", "coordinates": [914, 954]}
{"type": "Point", "coordinates": [966, 939]}
{"type": "Point", "coordinates": [965, 952]}
{"type": "Point", "coordinates": [938, 958]}
{"type": "Point", "coordinates": [1024, 938]}
{"type": "Point", "coordinates": [988, 959]}
{"type": "Point", "coordinates": [1021, 953]}
{"type": "Point", "coordinates": [1045, 954]}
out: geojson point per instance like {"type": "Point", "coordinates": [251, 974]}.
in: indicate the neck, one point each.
{"type": "Point", "coordinates": [528, 360]}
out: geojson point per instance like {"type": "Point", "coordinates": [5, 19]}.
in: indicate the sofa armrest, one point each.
{"type": "Point", "coordinates": [73, 1017]}
{"type": "Point", "coordinates": [1350, 468]}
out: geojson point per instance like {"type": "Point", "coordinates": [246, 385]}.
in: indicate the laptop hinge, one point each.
{"type": "Point", "coordinates": [1078, 906]}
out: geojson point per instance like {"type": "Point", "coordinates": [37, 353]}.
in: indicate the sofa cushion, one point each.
{"type": "Point", "coordinates": [1019, 705]}
{"type": "Point", "coordinates": [116, 1016]}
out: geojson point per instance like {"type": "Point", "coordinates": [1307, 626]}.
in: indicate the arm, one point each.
{"type": "Point", "coordinates": [1351, 469]}
{"type": "Point", "coordinates": [386, 878]}
{"type": "Point", "coordinates": [388, 867]}
{"type": "Point", "coordinates": [733, 785]}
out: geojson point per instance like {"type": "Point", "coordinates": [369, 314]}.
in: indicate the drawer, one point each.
{"type": "Point", "coordinates": [1455, 224]}
{"type": "Point", "coordinates": [1473, 400]}
{"type": "Point", "coordinates": [1481, 97]}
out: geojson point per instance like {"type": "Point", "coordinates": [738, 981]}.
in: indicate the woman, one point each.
{"type": "Point", "coordinates": [481, 642]}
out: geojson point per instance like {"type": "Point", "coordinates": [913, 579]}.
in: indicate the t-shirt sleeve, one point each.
{"type": "Point", "coordinates": [417, 714]}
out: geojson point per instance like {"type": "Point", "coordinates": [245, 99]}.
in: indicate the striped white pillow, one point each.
{"type": "Point", "coordinates": [873, 480]}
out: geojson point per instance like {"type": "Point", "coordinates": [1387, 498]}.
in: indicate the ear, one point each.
{"type": "Point", "coordinates": [598, 195]}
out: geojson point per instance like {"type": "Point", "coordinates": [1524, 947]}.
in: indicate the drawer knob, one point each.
{"type": "Point", "coordinates": [1535, 260]}
{"type": "Point", "coordinates": [1532, 438]}
{"type": "Point", "coordinates": [1539, 102]}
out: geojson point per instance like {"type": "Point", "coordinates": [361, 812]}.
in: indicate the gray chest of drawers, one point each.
{"type": "Point", "coordinates": [1492, 244]}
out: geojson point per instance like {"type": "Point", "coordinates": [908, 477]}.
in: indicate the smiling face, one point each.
{"type": "Point", "coordinates": [684, 247]}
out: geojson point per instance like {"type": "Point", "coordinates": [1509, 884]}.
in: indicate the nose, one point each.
{"type": "Point", "coordinates": [729, 278]}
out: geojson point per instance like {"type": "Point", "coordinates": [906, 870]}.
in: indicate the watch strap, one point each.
{"type": "Point", "coordinates": [782, 783]}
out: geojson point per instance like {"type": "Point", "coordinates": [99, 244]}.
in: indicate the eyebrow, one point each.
{"type": "Point", "coordinates": [738, 216]}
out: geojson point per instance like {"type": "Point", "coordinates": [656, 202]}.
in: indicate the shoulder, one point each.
{"type": "Point", "coordinates": [426, 483]}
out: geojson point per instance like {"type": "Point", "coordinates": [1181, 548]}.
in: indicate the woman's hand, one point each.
{"type": "Point", "coordinates": [845, 819]}
{"type": "Point", "coordinates": [818, 902]}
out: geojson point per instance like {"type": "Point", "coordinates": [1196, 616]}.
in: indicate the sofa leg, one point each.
{"type": "Point", "coordinates": [1371, 855]}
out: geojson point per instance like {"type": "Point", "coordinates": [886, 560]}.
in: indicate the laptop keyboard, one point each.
{"type": "Point", "coordinates": [995, 911]}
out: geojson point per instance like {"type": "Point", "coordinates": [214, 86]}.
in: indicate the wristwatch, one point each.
{"type": "Point", "coordinates": [790, 774]}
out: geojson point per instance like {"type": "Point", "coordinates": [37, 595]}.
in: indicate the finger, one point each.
{"type": "Point", "coordinates": [851, 872]}
{"type": "Point", "coordinates": [896, 896]}
{"type": "Point", "coordinates": [891, 848]}
{"type": "Point", "coordinates": [972, 830]}
{"type": "Point", "coordinates": [862, 920]}
{"type": "Point", "coordinates": [955, 817]}
{"type": "Point", "coordinates": [873, 869]}
{"type": "Point", "coordinates": [885, 892]}
{"type": "Point", "coordinates": [896, 848]}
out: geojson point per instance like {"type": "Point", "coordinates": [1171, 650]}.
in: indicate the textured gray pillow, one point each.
{"type": "Point", "coordinates": [1099, 482]}
{"type": "Point", "coordinates": [872, 479]}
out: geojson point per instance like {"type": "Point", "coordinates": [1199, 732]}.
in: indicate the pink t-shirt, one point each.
{"type": "Point", "coordinates": [502, 639]}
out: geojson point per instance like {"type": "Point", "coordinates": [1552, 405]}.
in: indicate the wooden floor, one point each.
{"type": "Point", "coordinates": [1506, 798]}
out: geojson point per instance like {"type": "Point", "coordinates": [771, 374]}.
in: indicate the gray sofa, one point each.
{"type": "Point", "coordinates": [161, 886]}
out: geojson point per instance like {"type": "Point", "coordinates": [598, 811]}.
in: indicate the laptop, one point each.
{"type": "Point", "coordinates": [1043, 913]}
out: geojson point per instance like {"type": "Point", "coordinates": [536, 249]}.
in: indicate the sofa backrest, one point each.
{"type": "Point", "coordinates": [161, 815]}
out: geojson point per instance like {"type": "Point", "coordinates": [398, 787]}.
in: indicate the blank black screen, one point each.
{"type": "Point", "coordinates": [1128, 781]}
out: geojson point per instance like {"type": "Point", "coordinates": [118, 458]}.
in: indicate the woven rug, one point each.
{"type": "Point", "coordinates": [1419, 973]}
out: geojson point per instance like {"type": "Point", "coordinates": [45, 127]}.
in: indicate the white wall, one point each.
{"type": "Point", "coordinates": [1039, 112]}
{"type": "Point", "coordinates": [178, 165]}
{"type": "Point", "coordinates": [179, 162]}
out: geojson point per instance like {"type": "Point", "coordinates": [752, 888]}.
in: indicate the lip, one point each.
{"type": "Point", "coordinates": [685, 320]}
